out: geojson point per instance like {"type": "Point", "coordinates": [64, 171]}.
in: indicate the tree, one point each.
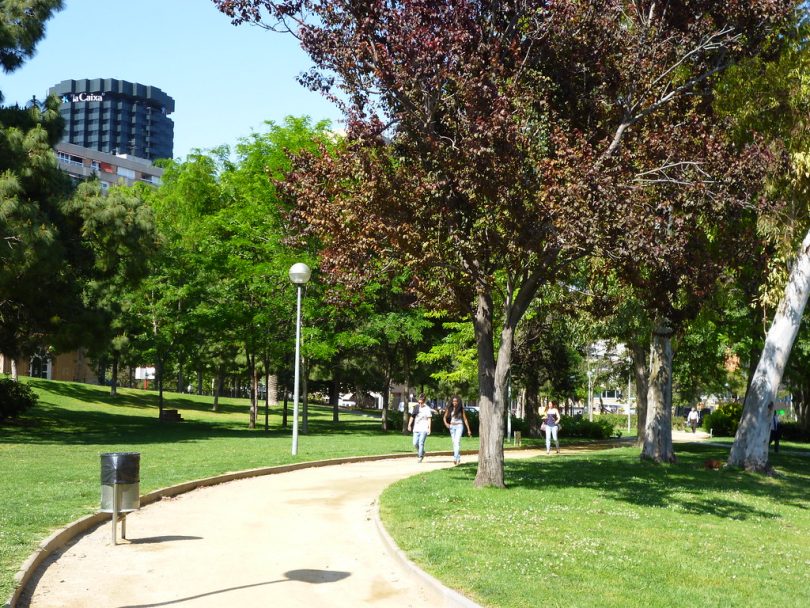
{"type": "Point", "coordinates": [500, 166]}
{"type": "Point", "coordinates": [773, 98]}
{"type": "Point", "coordinates": [22, 26]}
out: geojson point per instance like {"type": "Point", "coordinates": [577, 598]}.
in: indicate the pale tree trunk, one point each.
{"type": "Point", "coordinates": [272, 389]}
{"type": "Point", "coordinates": [641, 375]}
{"type": "Point", "coordinates": [658, 430]}
{"type": "Point", "coordinates": [14, 375]}
{"type": "Point", "coordinates": [254, 406]}
{"type": "Point", "coordinates": [750, 447]}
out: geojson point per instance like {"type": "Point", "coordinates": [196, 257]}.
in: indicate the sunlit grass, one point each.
{"type": "Point", "coordinates": [604, 529]}
{"type": "Point", "coordinates": [49, 459]}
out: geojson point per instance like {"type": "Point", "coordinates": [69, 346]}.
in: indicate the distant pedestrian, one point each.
{"type": "Point", "coordinates": [776, 430]}
{"type": "Point", "coordinates": [552, 426]}
{"type": "Point", "coordinates": [419, 423]}
{"type": "Point", "coordinates": [693, 419]}
{"type": "Point", "coordinates": [455, 419]}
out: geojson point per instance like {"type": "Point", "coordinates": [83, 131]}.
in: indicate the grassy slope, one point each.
{"type": "Point", "coordinates": [604, 529]}
{"type": "Point", "coordinates": [49, 460]}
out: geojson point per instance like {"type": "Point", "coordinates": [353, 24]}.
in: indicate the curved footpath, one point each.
{"type": "Point", "coordinates": [308, 537]}
{"type": "Point", "coordinates": [305, 537]}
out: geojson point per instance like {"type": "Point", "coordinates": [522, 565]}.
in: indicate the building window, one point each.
{"type": "Point", "coordinates": [124, 172]}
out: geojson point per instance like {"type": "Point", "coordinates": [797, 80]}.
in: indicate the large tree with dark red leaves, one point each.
{"type": "Point", "coordinates": [489, 143]}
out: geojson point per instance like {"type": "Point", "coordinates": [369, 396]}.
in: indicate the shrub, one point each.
{"type": "Point", "coordinates": [792, 431]}
{"type": "Point", "coordinates": [15, 398]}
{"type": "Point", "coordinates": [578, 426]}
{"type": "Point", "coordinates": [723, 421]}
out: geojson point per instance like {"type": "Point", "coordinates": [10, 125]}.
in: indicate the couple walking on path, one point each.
{"type": "Point", "coordinates": [455, 419]}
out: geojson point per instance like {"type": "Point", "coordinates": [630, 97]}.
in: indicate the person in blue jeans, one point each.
{"type": "Point", "coordinates": [455, 419]}
{"type": "Point", "coordinates": [420, 424]}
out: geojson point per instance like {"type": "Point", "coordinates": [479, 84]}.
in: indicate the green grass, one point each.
{"type": "Point", "coordinates": [604, 529]}
{"type": "Point", "coordinates": [49, 459]}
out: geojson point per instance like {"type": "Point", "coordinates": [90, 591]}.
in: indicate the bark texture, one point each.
{"type": "Point", "coordinates": [658, 430]}
{"type": "Point", "coordinates": [750, 447]}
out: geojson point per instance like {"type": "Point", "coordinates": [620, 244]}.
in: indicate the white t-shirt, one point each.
{"type": "Point", "coordinates": [421, 423]}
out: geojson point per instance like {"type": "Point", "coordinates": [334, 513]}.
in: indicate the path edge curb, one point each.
{"type": "Point", "coordinates": [452, 598]}
{"type": "Point", "coordinates": [62, 536]}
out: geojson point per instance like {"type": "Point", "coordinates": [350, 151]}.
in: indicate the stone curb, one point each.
{"type": "Point", "coordinates": [452, 599]}
{"type": "Point", "coordinates": [64, 535]}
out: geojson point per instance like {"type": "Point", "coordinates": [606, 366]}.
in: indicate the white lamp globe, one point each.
{"type": "Point", "coordinates": [300, 273]}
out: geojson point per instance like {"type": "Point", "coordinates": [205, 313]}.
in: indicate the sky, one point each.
{"type": "Point", "coordinates": [226, 81]}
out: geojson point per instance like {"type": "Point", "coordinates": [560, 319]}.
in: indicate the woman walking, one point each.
{"type": "Point", "coordinates": [419, 423]}
{"type": "Point", "coordinates": [455, 419]}
{"type": "Point", "coordinates": [552, 426]}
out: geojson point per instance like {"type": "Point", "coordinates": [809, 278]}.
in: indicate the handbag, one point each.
{"type": "Point", "coordinates": [543, 427]}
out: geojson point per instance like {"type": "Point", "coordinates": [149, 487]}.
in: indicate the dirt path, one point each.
{"type": "Point", "coordinates": [303, 538]}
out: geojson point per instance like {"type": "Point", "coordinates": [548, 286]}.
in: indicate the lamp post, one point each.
{"type": "Point", "coordinates": [590, 395]}
{"type": "Point", "coordinates": [299, 275]}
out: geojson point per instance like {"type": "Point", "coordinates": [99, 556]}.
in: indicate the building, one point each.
{"type": "Point", "coordinates": [72, 367]}
{"type": "Point", "coordinates": [81, 163]}
{"type": "Point", "coordinates": [117, 117]}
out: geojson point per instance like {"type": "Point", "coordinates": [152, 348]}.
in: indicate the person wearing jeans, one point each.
{"type": "Point", "coordinates": [552, 423]}
{"type": "Point", "coordinates": [420, 424]}
{"type": "Point", "coordinates": [455, 419]}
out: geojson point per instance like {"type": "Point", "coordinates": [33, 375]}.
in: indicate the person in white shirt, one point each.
{"type": "Point", "coordinates": [693, 419]}
{"type": "Point", "coordinates": [419, 423]}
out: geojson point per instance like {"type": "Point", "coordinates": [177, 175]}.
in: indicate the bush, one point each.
{"type": "Point", "coordinates": [723, 421]}
{"type": "Point", "coordinates": [792, 431]}
{"type": "Point", "coordinates": [15, 398]}
{"type": "Point", "coordinates": [619, 423]}
{"type": "Point", "coordinates": [578, 426]}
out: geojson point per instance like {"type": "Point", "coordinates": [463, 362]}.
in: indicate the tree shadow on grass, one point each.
{"type": "Point", "coordinates": [686, 485]}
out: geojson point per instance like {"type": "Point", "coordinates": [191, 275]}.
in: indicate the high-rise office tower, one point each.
{"type": "Point", "coordinates": [117, 117]}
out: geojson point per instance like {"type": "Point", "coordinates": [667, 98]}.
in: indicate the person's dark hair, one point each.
{"type": "Point", "coordinates": [456, 407]}
{"type": "Point", "coordinates": [422, 397]}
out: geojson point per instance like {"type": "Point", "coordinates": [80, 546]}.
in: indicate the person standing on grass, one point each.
{"type": "Point", "coordinates": [419, 423]}
{"type": "Point", "coordinates": [776, 431]}
{"type": "Point", "coordinates": [455, 419]}
{"type": "Point", "coordinates": [552, 423]}
{"type": "Point", "coordinates": [693, 419]}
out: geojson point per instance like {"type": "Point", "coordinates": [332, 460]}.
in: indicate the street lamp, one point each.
{"type": "Point", "coordinates": [299, 275]}
{"type": "Point", "coordinates": [590, 395]}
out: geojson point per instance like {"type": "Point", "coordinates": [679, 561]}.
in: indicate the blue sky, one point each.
{"type": "Point", "coordinates": [225, 80]}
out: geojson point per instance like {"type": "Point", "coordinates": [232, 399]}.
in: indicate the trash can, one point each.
{"type": "Point", "coordinates": [120, 487]}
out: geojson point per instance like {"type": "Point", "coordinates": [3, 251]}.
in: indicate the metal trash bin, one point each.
{"type": "Point", "coordinates": [120, 487]}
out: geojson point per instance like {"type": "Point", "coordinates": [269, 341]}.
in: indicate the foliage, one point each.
{"type": "Point", "coordinates": [22, 26]}
{"type": "Point", "coordinates": [725, 419]}
{"type": "Point", "coordinates": [793, 431]}
{"type": "Point", "coordinates": [602, 427]}
{"type": "Point", "coordinates": [15, 398]}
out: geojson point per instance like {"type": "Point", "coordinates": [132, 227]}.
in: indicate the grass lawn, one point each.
{"type": "Point", "coordinates": [602, 529]}
{"type": "Point", "coordinates": [49, 459]}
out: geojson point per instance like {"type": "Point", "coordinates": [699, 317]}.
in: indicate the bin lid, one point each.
{"type": "Point", "coordinates": [120, 467]}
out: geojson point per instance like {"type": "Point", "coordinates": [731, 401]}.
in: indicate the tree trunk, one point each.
{"type": "Point", "coordinates": [219, 380]}
{"type": "Point", "coordinates": [658, 430]}
{"type": "Point", "coordinates": [406, 412]}
{"type": "Point", "coordinates": [284, 409]}
{"type": "Point", "coordinates": [272, 389]}
{"type": "Point", "coordinates": [159, 370]}
{"type": "Point", "coordinates": [102, 372]}
{"type": "Point", "coordinates": [334, 391]}
{"type": "Point", "coordinates": [251, 365]}
{"type": "Point", "coordinates": [750, 447]}
{"type": "Point", "coordinates": [641, 375]}
{"type": "Point", "coordinates": [491, 404]}
{"type": "Point", "coordinates": [304, 397]}
{"type": "Point", "coordinates": [386, 399]}
{"type": "Point", "coordinates": [14, 375]}
{"type": "Point", "coordinates": [114, 377]}
{"type": "Point", "coordinates": [532, 406]}
{"type": "Point", "coordinates": [199, 381]}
